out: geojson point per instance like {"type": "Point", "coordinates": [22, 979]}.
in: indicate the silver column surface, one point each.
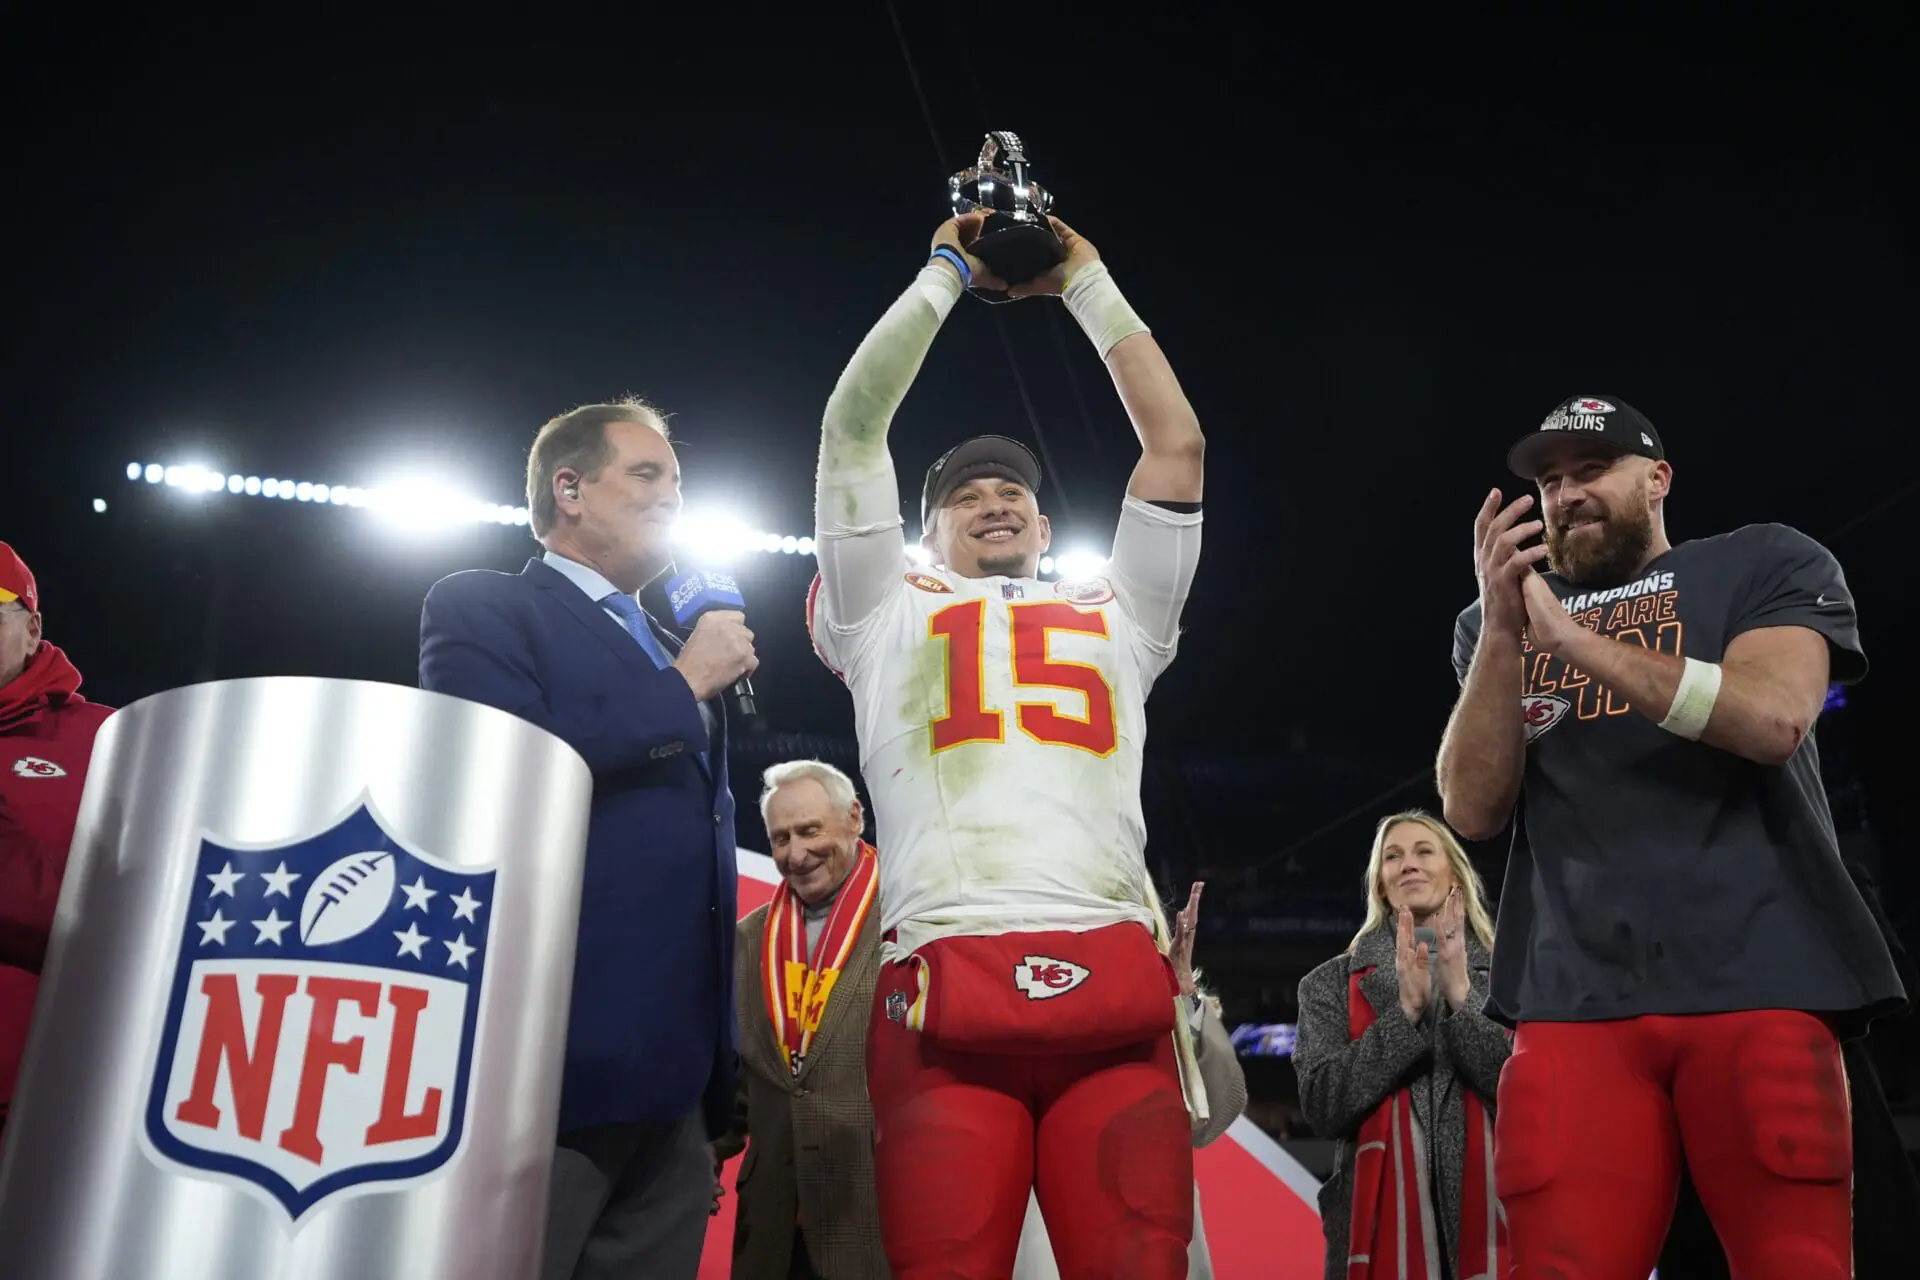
{"type": "Point", "coordinates": [304, 1010]}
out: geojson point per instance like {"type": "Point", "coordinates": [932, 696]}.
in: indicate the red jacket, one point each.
{"type": "Point", "coordinates": [46, 742]}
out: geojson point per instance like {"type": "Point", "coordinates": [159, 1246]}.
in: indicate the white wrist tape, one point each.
{"type": "Point", "coordinates": [1096, 302]}
{"type": "Point", "coordinates": [1693, 700]}
{"type": "Point", "coordinates": [940, 285]}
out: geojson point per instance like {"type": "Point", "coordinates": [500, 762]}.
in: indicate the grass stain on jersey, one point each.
{"type": "Point", "coordinates": [923, 693]}
{"type": "Point", "coordinates": [961, 769]}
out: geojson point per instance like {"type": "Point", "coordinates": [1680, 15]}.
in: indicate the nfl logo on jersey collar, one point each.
{"type": "Point", "coordinates": [320, 1026]}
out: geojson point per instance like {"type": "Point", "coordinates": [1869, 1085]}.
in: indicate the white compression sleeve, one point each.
{"type": "Point", "coordinates": [1155, 554]}
{"type": "Point", "coordinates": [856, 508]}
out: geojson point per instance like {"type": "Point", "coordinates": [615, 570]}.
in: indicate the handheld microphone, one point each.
{"type": "Point", "coordinates": [708, 591]}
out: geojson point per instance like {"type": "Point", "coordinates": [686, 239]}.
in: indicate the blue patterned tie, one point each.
{"type": "Point", "coordinates": [636, 623]}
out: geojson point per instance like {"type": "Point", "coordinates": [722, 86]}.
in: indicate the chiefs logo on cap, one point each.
{"type": "Point", "coordinates": [1588, 404]}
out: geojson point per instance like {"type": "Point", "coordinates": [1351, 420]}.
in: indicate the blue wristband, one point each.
{"type": "Point", "coordinates": [959, 264]}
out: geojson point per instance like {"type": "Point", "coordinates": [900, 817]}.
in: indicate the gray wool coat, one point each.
{"type": "Point", "coordinates": [1342, 1080]}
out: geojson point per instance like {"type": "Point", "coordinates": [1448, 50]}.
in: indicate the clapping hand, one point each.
{"type": "Point", "coordinates": [1455, 983]}
{"type": "Point", "coordinates": [1185, 926]}
{"type": "Point", "coordinates": [1549, 625]}
{"type": "Point", "coordinates": [1501, 565]}
{"type": "Point", "coordinates": [1410, 961]}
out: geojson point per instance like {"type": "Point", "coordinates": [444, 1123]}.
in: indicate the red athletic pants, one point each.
{"type": "Point", "coordinates": [1594, 1118]}
{"type": "Point", "coordinates": [961, 1138]}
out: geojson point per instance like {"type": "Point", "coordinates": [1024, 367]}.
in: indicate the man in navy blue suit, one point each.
{"type": "Point", "coordinates": [650, 1056]}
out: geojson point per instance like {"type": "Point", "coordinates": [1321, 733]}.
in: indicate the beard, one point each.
{"type": "Point", "coordinates": [1608, 557]}
{"type": "Point", "coordinates": [1007, 565]}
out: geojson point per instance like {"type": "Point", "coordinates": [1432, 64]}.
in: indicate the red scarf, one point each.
{"type": "Point", "coordinates": [49, 679]}
{"type": "Point", "coordinates": [1387, 1233]}
{"type": "Point", "coordinates": [796, 985]}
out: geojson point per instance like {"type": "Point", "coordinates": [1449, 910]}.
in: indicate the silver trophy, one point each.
{"type": "Point", "coordinates": [1017, 242]}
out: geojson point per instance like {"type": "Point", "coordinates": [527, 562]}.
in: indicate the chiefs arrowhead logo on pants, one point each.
{"type": "Point", "coordinates": [1043, 977]}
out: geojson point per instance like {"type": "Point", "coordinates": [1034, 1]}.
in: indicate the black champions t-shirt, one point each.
{"type": "Point", "coordinates": [1652, 875]}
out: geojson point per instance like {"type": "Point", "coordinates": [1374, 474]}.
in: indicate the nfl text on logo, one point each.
{"type": "Point", "coordinates": [321, 1018]}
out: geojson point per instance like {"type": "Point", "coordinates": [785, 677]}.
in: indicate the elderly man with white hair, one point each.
{"type": "Point", "coordinates": [805, 966]}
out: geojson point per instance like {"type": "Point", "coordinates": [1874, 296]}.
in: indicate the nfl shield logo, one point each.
{"type": "Point", "coordinates": [321, 1022]}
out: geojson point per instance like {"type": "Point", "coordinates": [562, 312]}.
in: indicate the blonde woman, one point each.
{"type": "Point", "coordinates": [1398, 1061]}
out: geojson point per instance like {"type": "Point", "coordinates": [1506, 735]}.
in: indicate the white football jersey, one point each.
{"type": "Point", "coordinates": [1001, 725]}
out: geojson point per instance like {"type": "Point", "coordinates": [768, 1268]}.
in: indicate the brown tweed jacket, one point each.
{"type": "Point", "coordinates": [809, 1141]}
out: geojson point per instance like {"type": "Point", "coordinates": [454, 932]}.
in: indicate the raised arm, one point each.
{"type": "Point", "coordinates": [1156, 548]}
{"type": "Point", "coordinates": [1172, 450]}
{"type": "Point", "coordinates": [1793, 629]}
{"type": "Point", "coordinates": [856, 503]}
{"type": "Point", "coordinates": [1484, 751]}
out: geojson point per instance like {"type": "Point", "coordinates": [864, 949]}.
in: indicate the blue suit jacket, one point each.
{"type": "Point", "coordinates": [651, 1034]}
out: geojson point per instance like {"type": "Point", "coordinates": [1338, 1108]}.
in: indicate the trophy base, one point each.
{"type": "Point", "coordinates": [1017, 251]}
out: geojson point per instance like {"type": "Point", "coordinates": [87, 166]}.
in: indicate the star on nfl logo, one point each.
{"type": "Point", "coordinates": [320, 1027]}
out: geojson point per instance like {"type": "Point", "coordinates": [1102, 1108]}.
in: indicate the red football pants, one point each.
{"type": "Point", "coordinates": [1594, 1118]}
{"type": "Point", "coordinates": [961, 1138]}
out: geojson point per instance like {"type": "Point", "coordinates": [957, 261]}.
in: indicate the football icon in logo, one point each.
{"type": "Point", "coordinates": [348, 898]}
{"type": "Point", "coordinates": [329, 1053]}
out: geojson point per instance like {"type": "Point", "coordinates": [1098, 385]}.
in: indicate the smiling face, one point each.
{"type": "Point", "coordinates": [1414, 870]}
{"type": "Point", "coordinates": [991, 526]}
{"type": "Point", "coordinates": [620, 518]}
{"type": "Point", "coordinates": [1600, 509]}
{"type": "Point", "coordinates": [814, 843]}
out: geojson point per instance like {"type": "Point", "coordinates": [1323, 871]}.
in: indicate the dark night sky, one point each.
{"type": "Point", "coordinates": [299, 246]}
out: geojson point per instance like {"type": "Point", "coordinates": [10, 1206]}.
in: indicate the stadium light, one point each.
{"type": "Point", "coordinates": [716, 537]}
{"type": "Point", "coordinates": [1076, 564]}
{"type": "Point", "coordinates": [713, 536]}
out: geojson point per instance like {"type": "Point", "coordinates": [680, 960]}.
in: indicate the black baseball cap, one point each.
{"type": "Point", "coordinates": [971, 459]}
{"type": "Point", "coordinates": [1607, 421]}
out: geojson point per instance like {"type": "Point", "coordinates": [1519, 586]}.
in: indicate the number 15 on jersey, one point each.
{"type": "Point", "coordinates": [1031, 626]}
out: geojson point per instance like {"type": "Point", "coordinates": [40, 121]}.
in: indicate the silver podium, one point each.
{"type": "Point", "coordinates": [303, 1014]}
